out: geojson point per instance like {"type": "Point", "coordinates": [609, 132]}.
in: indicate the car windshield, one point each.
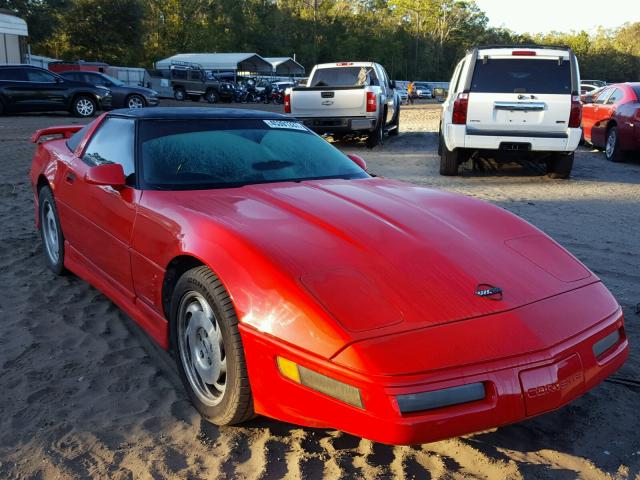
{"type": "Point", "coordinates": [521, 76]}
{"type": "Point", "coordinates": [200, 154]}
{"type": "Point", "coordinates": [114, 80]}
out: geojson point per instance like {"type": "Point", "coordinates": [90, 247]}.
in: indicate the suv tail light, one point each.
{"type": "Point", "coordinates": [460, 109]}
{"type": "Point", "coordinates": [575, 117]}
{"type": "Point", "coordinates": [287, 103]}
{"type": "Point", "coordinates": [372, 102]}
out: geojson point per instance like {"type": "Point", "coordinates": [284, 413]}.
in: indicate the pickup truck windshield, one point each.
{"type": "Point", "coordinates": [344, 77]}
{"type": "Point", "coordinates": [519, 75]}
{"type": "Point", "coordinates": [202, 154]}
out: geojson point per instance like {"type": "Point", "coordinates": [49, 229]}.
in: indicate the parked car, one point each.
{"type": "Point", "coordinates": [611, 120]}
{"type": "Point", "coordinates": [347, 97]}
{"type": "Point", "coordinates": [422, 90]}
{"type": "Point", "coordinates": [588, 96]}
{"type": "Point", "coordinates": [596, 83]}
{"type": "Point", "coordinates": [190, 80]}
{"type": "Point", "coordinates": [288, 282]}
{"type": "Point", "coordinates": [124, 96]}
{"type": "Point", "coordinates": [24, 88]}
{"type": "Point", "coordinates": [514, 103]}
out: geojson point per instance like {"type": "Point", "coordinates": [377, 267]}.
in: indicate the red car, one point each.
{"type": "Point", "coordinates": [289, 282]}
{"type": "Point", "coordinates": [611, 120]}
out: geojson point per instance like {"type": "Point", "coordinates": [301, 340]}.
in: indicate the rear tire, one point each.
{"type": "Point", "coordinates": [208, 348]}
{"type": "Point", "coordinates": [612, 146]}
{"type": "Point", "coordinates": [376, 137]}
{"type": "Point", "coordinates": [449, 160]}
{"type": "Point", "coordinates": [560, 165]}
{"type": "Point", "coordinates": [51, 232]}
{"type": "Point", "coordinates": [179, 94]}
{"type": "Point", "coordinates": [212, 96]}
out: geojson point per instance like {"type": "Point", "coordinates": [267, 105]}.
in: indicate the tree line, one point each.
{"type": "Point", "coordinates": [413, 39]}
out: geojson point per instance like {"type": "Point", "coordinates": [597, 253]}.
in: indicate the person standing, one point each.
{"type": "Point", "coordinates": [410, 90]}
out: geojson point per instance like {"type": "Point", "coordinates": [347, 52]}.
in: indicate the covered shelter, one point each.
{"type": "Point", "coordinates": [285, 66]}
{"type": "Point", "coordinates": [220, 62]}
{"type": "Point", "coordinates": [13, 38]}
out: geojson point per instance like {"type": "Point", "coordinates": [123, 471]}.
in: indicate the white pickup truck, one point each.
{"type": "Point", "coordinates": [347, 97]}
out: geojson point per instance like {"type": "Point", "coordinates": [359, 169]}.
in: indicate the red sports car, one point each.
{"type": "Point", "coordinates": [611, 120]}
{"type": "Point", "coordinates": [289, 282]}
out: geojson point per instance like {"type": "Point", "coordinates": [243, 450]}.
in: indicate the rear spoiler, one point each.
{"type": "Point", "coordinates": [65, 130]}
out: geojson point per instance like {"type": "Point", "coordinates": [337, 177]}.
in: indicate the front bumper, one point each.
{"type": "Point", "coordinates": [515, 388]}
{"type": "Point", "coordinates": [339, 124]}
{"type": "Point", "coordinates": [152, 101]}
{"type": "Point", "coordinates": [105, 101]}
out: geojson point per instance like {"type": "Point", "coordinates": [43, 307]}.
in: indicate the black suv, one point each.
{"type": "Point", "coordinates": [24, 88]}
{"type": "Point", "coordinates": [124, 96]}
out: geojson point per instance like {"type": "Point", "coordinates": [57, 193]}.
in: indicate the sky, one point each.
{"type": "Point", "coordinates": [541, 16]}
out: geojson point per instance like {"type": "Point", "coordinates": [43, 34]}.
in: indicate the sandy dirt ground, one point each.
{"type": "Point", "coordinates": [85, 394]}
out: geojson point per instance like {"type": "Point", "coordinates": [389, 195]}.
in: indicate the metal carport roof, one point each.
{"type": "Point", "coordinates": [285, 65]}
{"type": "Point", "coordinates": [12, 25]}
{"type": "Point", "coordinates": [242, 62]}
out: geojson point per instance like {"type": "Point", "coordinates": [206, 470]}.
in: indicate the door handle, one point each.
{"type": "Point", "coordinates": [71, 177]}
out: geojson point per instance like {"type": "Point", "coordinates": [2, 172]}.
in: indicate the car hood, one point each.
{"type": "Point", "coordinates": [131, 89]}
{"type": "Point", "coordinates": [386, 256]}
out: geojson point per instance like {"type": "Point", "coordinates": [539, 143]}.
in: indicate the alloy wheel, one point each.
{"type": "Point", "coordinates": [201, 348]}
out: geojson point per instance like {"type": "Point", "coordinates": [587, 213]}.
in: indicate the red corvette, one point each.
{"type": "Point", "coordinates": [289, 282]}
{"type": "Point", "coordinates": [611, 120]}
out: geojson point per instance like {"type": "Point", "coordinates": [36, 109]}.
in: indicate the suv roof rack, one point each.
{"type": "Point", "coordinates": [526, 45]}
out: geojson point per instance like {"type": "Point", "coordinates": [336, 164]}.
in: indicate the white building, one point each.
{"type": "Point", "coordinates": [13, 39]}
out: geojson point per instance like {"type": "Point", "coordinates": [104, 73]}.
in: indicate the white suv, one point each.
{"type": "Point", "coordinates": [513, 102]}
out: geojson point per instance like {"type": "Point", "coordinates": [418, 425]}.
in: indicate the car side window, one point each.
{"type": "Point", "coordinates": [15, 74]}
{"type": "Point", "coordinates": [40, 76]}
{"type": "Point", "coordinates": [96, 80]}
{"type": "Point", "coordinates": [615, 97]}
{"type": "Point", "coordinates": [113, 143]}
{"type": "Point", "coordinates": [604, 95]}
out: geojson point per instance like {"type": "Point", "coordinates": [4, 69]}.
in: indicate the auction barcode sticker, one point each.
{"type": "Point", "coordinates": [285, 124]}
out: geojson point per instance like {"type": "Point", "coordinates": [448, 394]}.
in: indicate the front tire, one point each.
{"type": "Point", "coordinates": [135, 101]}
{"type": "Point", "coordinates": [50, 231]}
{"type": "Point", "coordinates": [84, 106]}
{"type": "Point", "coordinates": [208, 348]}
{"type": "Point", "coordinates": [560, 165]}
{"type": "Point", "coordinates": [396, 131]}
{"type": "Point", "coordinates": [612, 147]}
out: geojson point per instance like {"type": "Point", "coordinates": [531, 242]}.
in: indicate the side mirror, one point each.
{"type": "Point", "coordinates": [358, 160]}
{"type": "Point", "coordinates": [393, 84]}
{"type": "Point", "coordinates": [109, 174]}
{"type": "Point", "coordinates": [59, 80]}
{"type": "Point", "coordinates": [587, 99]}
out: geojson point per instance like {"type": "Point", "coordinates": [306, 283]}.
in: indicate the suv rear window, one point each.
{"type": "Point", "coordinates": [522, 76]}
{"type": "Point", "coordinates": [344, 77]}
